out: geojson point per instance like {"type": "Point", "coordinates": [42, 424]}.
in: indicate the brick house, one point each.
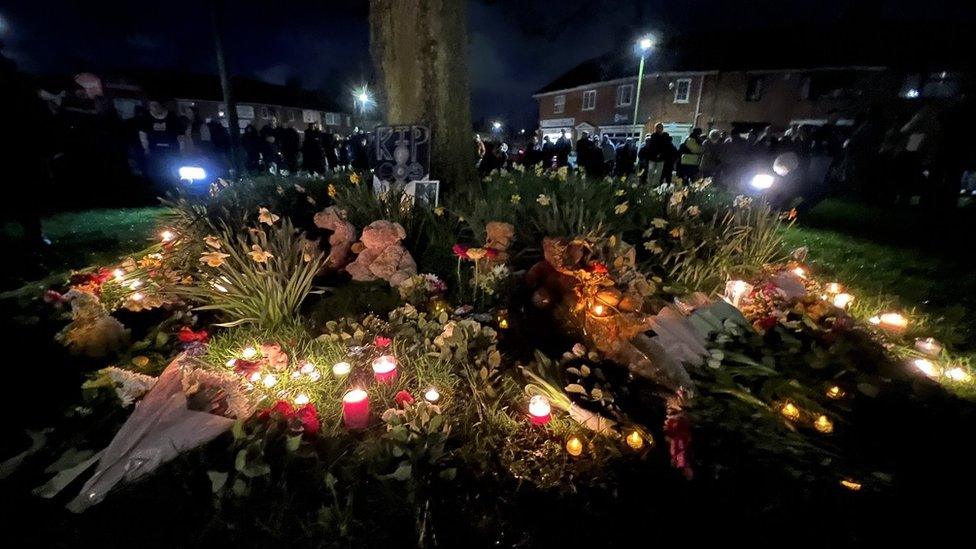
{"type": "Point", "coordinates": [599, 96]}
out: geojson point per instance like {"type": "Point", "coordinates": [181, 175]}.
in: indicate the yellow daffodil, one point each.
{"type": "Point", "coordinates": [619, 192]}
{"type": "Point", "coordinates": [332, 191]}
{"type": "Point", "coordinates": [516, 199]}
{"type": "Point", "coordinates": [653, 247]}
{"type": "Point", "coordinates": [543, 200]}
{"type": "Point", "coordinates": [354, 179]}
{"type": "Point", "coordinates": [439, 211]}
{"type": "Point", "coordinates": [562, 173]}
{"type": "Point", "coordinates": [140, 361]}
{"type": "Point", "coordinates": [621, 208]}
{"type": "Point", "coordinates": [265, 216]}
{"type": "Point", "coordinates": [659, 223]}
{"type": "Point", "coordinates": [678, 232]}
{"type": "Point", "coordinates": [693, 211]}
{"type": "Point", "coordinates": [214, 259]}
{"type": "Point", "coordinates": [212, 241]}
{"type": "Point", "coordinates": [259, 255]}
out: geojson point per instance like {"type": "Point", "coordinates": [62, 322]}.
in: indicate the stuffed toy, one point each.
{"type": "Point", "coordinates": [499, 237]}
{"type": "Point", "coordinates": [342, 239]}
{"type": "Point", "coordinates": [381, 256]}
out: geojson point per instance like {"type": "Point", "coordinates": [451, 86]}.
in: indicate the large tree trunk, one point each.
{"type": "Point", "coordinates": [420, 51]}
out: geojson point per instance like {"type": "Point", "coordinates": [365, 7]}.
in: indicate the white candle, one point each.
{"type": "Point", "coordinates": [926, 366]}
{"type": "Point", "coordinates": [302, 399]}
{"type": "Point", "coordinates": [340, 369]}
{"type": "Point", "coordinates": [841, 301]}
{"type": "Point", "coordinates": [269, 380]}
{"type": "Point", "coordinates": [957, 373]}
{"type": "Point", "coordinates": [308, 368]}
{"type": "Point", "coordinates": [929, 346]}
{"type": "Point", "coordinates": [432, 395]}
{"type": "Point", "coordinates": [249, 353]}
{"type": "Point", "coordinates": [385, 368]}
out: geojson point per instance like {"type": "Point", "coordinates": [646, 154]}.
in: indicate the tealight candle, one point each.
{"type": "Point", "coordinates": [301, 399]}
{"type": "Point", "coordinates": [314, 376]}
{"type": "Point", "coordinates": [249, 353]}
{"type": "Point", "coordinates": [167, 236]}
{"type": "Point", "coordinates": [599, 310]}
{"type": "Point", "coordinates": [800, 272]}
{"type": "Point", "coordinates": [894, 323]}
{"type": "Point", "coordinates": [540, 411]}
{"type": "Point", "coordinates": [307, 368]}
{"type": "Point", "coordinates": [929, 346]}
{"type": "Point", "coordinates": [834, 392]}
{"type": "Point", "coordinates": [135, 284]}
{"type": "Point", "coordinates": [834, 288]}
{"type": "Point", "coordinates": [574, 446]}
{"type": "Point", "coordinates": [355, 409]}
{"type": "Point", "coordinates": [269, 380]}
{"type": "Point", "coordinates": [231, 363]}
{"type": "Point", "coordinates": [842, 300]}
{"type": "Point", "coordinates": [635, 440]}
{"type": "Point", "coordinates": [137, 296]}
{"type": "Point", "coordinates": [385, 368]}
{"type": "Point", "coordinates": [340, 369]}
{"type": "Point", "coordinates": [926, 366]}
{"type": "Point", "coordinates": [790, 411]}
{"type": "Point", "coordinates": [735, 290]}
{"type": "Point", "coordinates": [824, 425]}
{"type": "Point", "coordinates": [957, 373]}
{"type": "Point", "coordinates": [254, 377]}
{"type": "Point", "coordinates": [432, 395]}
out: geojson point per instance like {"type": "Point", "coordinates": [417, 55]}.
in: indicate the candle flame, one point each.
{"type": "Point", "coordinates": [355, 395]}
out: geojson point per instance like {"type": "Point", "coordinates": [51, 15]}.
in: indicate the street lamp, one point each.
{"type": "Point", "coordinates": [645, 44]}
{"type": "Point", "coordinates": [361, 96]}
{"type": "Point", "coordinates": [496, 125]}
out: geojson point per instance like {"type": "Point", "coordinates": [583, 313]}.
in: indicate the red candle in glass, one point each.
{"type": "Point", "coordinates": [355, 409]}
{"type": "Point", "coordinates": [385, 369]}
{"type": "Point", "coordinates": [540, 411]}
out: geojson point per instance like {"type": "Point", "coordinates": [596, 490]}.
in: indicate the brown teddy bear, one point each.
{"type": "Point", "coordinates": [342, 238]}
{"type": "Point", "coordinates": [381, 256]}
{"type": "Point", "coordinates": [499, 236]}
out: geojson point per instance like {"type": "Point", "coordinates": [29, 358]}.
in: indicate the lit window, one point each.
{"type": "Point", "coordinates": [589, 100]}
{"type": "Point", "coordinates": [625, 95]}
{"type": "Point", "coordinates": [682, 90]}
{"type": "Point", "coordinates": [558, 104]}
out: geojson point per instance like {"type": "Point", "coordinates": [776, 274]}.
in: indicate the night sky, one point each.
{"type": "Point", "coordinates": [516, 46]}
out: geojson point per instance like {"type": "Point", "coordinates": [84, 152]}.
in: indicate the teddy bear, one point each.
{"type": "Point", "coordinates": [342, 238]}
{"type": "Point", "coordinates": [498, 237]}
{"type": "Point", "coordinates": [381, 256]}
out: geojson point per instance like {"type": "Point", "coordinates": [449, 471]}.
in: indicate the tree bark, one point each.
{"type": "Point", "coordinates": [420, 52]}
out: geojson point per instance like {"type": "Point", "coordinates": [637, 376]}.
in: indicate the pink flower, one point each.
{"type": "Point", "coordinates": [382, 342]}
{"type": "Point", "coordinates": [491, 253]}
{"type": "Point", "coordinates": [677, 429]}
{"type": "Point", "coordinates": [460, 250]}
{"type": "Point", "coordinates": [403, 398]}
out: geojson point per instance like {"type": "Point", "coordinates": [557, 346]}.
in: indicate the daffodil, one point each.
{"type": "Point", "coordinates": [212, 241]}
{"type": "Point", "coordinates": [299, 188]}
{"type": "Point", "coordinates": [652, 246]}
{"type": "Point", "coordinates": [439, 211]}
{"type": "Point", "coordinates": [516, 199]}
{"type": "Point", "coordinates": [678, 232]}
{"type": "Point", "coordinates": [259, 255]}
{"type": "Point", "coordinates": [477, 253]}
{"type": "Point", "coordinates": [265, 216]}
{"type": "Point", "coordinates": [543, 200]}
{"type": "Point", "coordinates": [214, 259]}
{"type": "Point", "coordinates": [619, 192]}
{"type": "Point", "coordinates": [742, 201]}
{"type": "Point", "coordinates": [354, 179]}
{"type": "Point", "coordinates": [310, 200]}
{"type": "Point", "coordinates": [621, 208]}
{"type": "Point", "coordinates": [562, 173]}
{"type": "Point", "coordinates": [693, 211]}
{"type": "Point", "coordinates": [332, 191]}
{"type": "Point", "coordinates": [659, 223]}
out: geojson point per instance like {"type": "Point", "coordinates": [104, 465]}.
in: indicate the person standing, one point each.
{"type": "Point", "coordinates": [329, 146]}
{"type": "Point", "coordinates": [479, 150]}
{"type": "Point", "coordinates": [251, 142]}
{"type": "Point", "coordinates": [563, 148]}
{"type": "Point", "coordinates": [162, 137]}
{"type": "Point", "coordinates": [548, 152]}
{"type": "Point", "coordinates": [626, 156]}
{"type": "Point", "coordinates": [609, 154]}
{"type": "Point", "coordinates": [711, 151]}
{"type": "Point", "coordinates": [654, 154]}
{"type": "Point", "coordinates": [584, 153]}
{"type": "Point", "coordinates": [313, 157]}
{"type": "Point", "coordinates": [533, 153]}
{"type": "Point", "coordinates": [288, 139]}
{"type": "Point", "coordinates": [689, 160]}
{"type": "Point", "coordinates": [270, 148]}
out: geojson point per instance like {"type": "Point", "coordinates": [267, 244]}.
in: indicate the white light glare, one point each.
{"type": "Point", "coordinates": [762, 181]}
{"type": "Point", "coordinates": [192, 173]}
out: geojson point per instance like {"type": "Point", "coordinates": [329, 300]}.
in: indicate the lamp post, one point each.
{"type": "Point", "coordinates": [644, 44]}
{"type": "Point", "coordinates": [361, 97]}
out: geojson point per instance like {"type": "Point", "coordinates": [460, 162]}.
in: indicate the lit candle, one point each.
{"type": "Point", "coordinates": [926, 366]}
{"type": "Point", "coordinates": [231, 363]}
{"type": "Point", "coordinates": [301, 399]}
{"type": "Point", "coordinates": [790, 411]}
{"type": "Point", "coordinates": [929, 346]}
{"type": "Point", "coordinates": [135, 284]}
{"type": "Point", "coordinates": [540, 412]}
{"type": "Point", "coordinates": [254, 377]}
{"type": "Point", "coordinates": [385, 368]}
{"type": "Point", "coordinates": [894, 323]}
{"type": "Point", "coordinates": [800, 272]}
{"type": "Point", "coordinates": [635, 440]}
{"type": "Point", "coordinates": [851, 484]}
{"type": "Point", "coordinates": [167, 236]}
{"type": "Point", "coordinates": [314, 376]}
{"type": "Point", "coordinates": [835, 392]}
{"type": "Point", "coordinates": [957, 373]}
{"type": "Point", "coordinates": [340, 369]}
{"type": "Point", "coordinates": [355, 409]}
{"type": "Point", "coordinates": [574, 446]}
{"type": "Point", "coordinates": [735, 290]}
{"type": "Point", "coordinates": [841, 301]}
{"type": "Point", "coordinates": [599, 310]}
{"type": "Point", "coordinates": [249, 353]}
{"type": "Point", "coordinates": [432, 395]}
{"type": "Point", "coordinates": [824, 425]}
{"type": "Point", "coordinates": [269, 380]}
{"type": "Point", "coordinates": [137, 296]}
{"type": "Point", "coordinates": [502, 320]}
{"type": "Point", "coordinates": [834, 288]}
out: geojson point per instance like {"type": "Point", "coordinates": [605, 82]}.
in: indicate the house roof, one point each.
{"type": "Point", "coordinates": [792, 50]}
{"type": "Point", "coordinates": [173, 85]}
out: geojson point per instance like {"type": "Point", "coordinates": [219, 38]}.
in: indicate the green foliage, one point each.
{"type": "Point", "coordinates": [251, 286]}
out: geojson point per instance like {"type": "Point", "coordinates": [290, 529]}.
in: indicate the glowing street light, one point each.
{"type": "Point", "coordinates": [192, 173]}
{"type": "Point", "coordinates": [645, 44]}
{"type": "Point", "coordinates": [362, 97]}
{"type": "Point", "coordinates": [496, 125]}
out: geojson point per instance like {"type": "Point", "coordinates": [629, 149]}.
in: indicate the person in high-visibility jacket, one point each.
{"type": "Point", "coordinates": [691, 153]}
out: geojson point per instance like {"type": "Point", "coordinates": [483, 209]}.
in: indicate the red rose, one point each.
{"type": "Point", "coordinates": [186, 335]}
{"type": "Point", "coordinates": [101, 276]}
{"type": "Point", "coordinates": [282, 408]}
{"type": "Point", "coordinates": [246, 367]}
{"type": "Point", "coordinates": [598, 267]}
{"type": "Point", "coordinates": [403, 398]}
{"type": "Point", "coordinates": [382, 342]}
{"type": "Point", "coordinates": [768, 322]}
{"type": "Point", "coordinates": [308, 417]}
{"type": "Point", "coordinates": [460, 250]}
